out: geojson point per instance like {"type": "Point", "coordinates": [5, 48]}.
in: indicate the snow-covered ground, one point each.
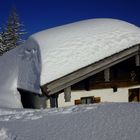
{"type": "Point", "coordinates": [106, 121]}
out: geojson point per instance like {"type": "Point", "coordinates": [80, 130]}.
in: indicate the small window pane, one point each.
{"type": "Point", "coordinates": [89, 100]}
{"type": "Point", "coordinates": [83, 101]}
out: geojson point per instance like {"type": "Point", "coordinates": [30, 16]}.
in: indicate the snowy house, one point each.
{"type": "Point", "coordinates": [84, 62]}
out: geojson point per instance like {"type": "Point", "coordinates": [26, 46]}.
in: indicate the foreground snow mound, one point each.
{"type": "Point", "coordinates": [9, 68]}
{"type": "Point", "coordinates": [109, 121]}
{"type": "Point", "coordinates": [15, 64]}
{"type": "Point", "coordinates": [67, 48]}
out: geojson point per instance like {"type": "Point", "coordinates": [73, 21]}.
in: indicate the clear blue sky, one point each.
{"type": "Point", "coordinates": [42, 14]}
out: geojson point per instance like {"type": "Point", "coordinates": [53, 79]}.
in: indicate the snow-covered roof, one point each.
{"type": "Point", "coordinates": [70, 47]}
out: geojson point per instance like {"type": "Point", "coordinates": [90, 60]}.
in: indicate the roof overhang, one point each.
{"type": "Point", "coordinates": [83, 73]}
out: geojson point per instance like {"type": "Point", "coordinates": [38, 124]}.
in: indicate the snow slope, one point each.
{"type": "Point", "coordinates": [70, 47]}
{"type": "Point", "coordinates": [9, 96]}
{"type": "Point", "coordinates": [18, 70]}
{"type": "Point", "coordinates": [114, 121]}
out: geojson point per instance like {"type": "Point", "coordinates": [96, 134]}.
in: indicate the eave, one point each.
{"type": "Point", "coordinates": [83, 73]}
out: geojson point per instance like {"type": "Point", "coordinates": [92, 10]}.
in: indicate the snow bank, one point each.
{"type": "Point", "coordinates": [9, 96]}
{"type": "Point", "coordinates": [108, 121]}
{"type": "Point", "coordinates": [70, 47]}
{"type": "Point", "coordinates": [19, 69]}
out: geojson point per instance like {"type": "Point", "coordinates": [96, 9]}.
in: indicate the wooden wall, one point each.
{"type": "Point", "coordinates": [124, 74]}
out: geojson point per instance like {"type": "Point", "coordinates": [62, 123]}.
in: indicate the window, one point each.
{"type": "Point", "coordinates": [88, 100]}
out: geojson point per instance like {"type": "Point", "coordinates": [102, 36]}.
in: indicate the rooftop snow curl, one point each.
{"type": "Point", "coordinates": [70, 47]}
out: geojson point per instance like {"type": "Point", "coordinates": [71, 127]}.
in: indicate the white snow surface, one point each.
{"type": "Point", "coordinates": [9, 96]}
{"type": "Point", "coordinates": [18, 70]}
{"type": "Point", "coordinates": [106, 121]}
{"type": "Point", "coordinates": [70, 47]}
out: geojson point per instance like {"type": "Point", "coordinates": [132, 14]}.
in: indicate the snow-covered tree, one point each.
{"type": "Point", "coordinates": [1, 46]}
{"type": "Point", "coordinates": [12, 33]}
{"type": "Point", "coordinates": [0, 40]}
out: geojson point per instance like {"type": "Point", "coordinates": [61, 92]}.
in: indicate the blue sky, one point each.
{"type": "Point", "coordinates": [42, 14]}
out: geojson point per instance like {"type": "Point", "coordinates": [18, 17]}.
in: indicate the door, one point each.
{"type": "Point", "coordinates": [134, 95]}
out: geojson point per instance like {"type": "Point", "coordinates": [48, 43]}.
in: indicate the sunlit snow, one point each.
{"type": "Point", "coordinates": [108, 121]}
{"type": "Point", "coordinates": [70, 47]}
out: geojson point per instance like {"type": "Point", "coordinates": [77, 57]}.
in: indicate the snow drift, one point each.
{"type": "Point", "coordinates": [118, 121]}
{"type": "Point", "coordinates": [18, 70]}
{"type": "Point", "coordinates": [9, 68]}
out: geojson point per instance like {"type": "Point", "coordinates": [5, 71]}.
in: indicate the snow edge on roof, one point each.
{"type": "Point", "coordinates": [66, 45]}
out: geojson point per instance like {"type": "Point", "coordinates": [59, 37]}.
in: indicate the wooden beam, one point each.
{"type": "Point", "coordinates": [88, 71]}
{"type": "Point", "coordinates": [61, 87]}
{"type": "Point", "coordinates": [137, 59]}
{"type": "Point", "coordinates": [54, 100]}
{"type": "Point", "coordinates": [67, 94]}
{"type": "Point", "coordinates": [113, 84]}
{"type": "Point", "coordinates": [107, 75]}
{"type": "Point", "coordinates": [87, 84]}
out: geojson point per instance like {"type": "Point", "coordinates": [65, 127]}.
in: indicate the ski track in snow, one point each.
{"type": "Point", "coordinates": [18, 114]}
{"type": "Point", "coordinates": [108, 121]}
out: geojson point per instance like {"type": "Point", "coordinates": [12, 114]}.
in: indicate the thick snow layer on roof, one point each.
{"type": "Point", "coordinates": [70, 47]}
{"type": "Point", "coordinates": [96, 122]}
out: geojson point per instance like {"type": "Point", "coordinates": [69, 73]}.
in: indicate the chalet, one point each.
{"type": "Point", "coordinates": [90, 61]}
{"type": "Point", "coordinates": [87, 62]}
